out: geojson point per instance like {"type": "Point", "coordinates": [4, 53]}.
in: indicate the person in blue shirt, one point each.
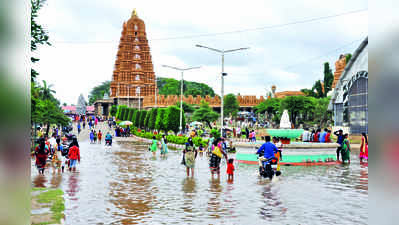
{"type": "Point", "coordinates": [108, 137]}
{"type": "Point", "coordinates": [268, 150]}
{"type": "Point", "coordinates": [323, 136]}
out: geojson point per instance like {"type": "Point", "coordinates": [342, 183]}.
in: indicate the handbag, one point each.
{"type": "Point", "coordinates": [217, 152]}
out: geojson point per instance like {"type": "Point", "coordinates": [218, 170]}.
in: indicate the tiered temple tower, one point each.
{"type": "Point", "coordinates": [133, 73]}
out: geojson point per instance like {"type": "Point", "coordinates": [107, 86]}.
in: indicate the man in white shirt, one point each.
{"type": "Point", "coordinates": [306, 135]}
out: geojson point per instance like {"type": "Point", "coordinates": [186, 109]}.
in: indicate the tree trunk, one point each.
{"type": "Point", "coordinates": [47, 129]}
{"type": "Point", "coordinates": [209, 124]}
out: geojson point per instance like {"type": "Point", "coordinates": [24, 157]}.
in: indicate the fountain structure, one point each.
{"type": "Point", "coordinates": [285, 133]}
{"type": "Point", "coordinates": [294, 153]}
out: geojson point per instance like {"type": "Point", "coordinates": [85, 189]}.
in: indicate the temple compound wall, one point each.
{"type": "Point", "coordinates": [165, 101]}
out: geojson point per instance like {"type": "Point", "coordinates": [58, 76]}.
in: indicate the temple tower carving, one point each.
{"type": "Point", "coordinates": [133, 71]}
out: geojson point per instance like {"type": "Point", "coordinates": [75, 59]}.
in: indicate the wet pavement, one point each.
{"type": "Point", "coordinates": [126, 185]}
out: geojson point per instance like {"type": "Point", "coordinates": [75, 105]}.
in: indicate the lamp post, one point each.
{"type": "Point", "coordinates": [222, 52]}
{"type": "Point", "coordinates": [181, 90]}
{"type": "Point", "coordinates": [138, 92]}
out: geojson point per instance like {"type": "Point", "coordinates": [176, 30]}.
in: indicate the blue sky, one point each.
{"type": "Point", "coordinates": [85, 35]}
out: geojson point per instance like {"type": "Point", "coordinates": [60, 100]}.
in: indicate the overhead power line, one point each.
{"type": "Point", "coordinates": [325, 54]}
{"type": "Point", "coordinates": [239, 31]}
{"type": "Point", "coordinates": [262, 28]}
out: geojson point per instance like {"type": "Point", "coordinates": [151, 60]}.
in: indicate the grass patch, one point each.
{"type": "Point", "coordinates": [56, 199]}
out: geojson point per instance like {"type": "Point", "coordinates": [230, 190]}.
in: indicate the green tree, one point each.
{"type": "Point", "coordinates": [188, 108]}
{"type": "Point", "coordinates": [136, 117]}
{"type": "Point", "coordinates": [321, 112]}
{"type": "Point", "coordinates": [147, 119]}
{"type": "Point", "coordinates": [130, 115]}
{"type": "Point", "coordinates": [153, 116]}
{"type": "Point", "coordinates": [98, 91]}
{"type": "Point", "coordinates": [113, 110]}
{"type": "Point", "coordinates": [230, 105]}
{"type": "Point", "coordinates": [328, 79]}
{"type": "Point", "coordinates": [143, 113]}
{"type": "Point", "coordinates": [159, 122]}
{"type": "Point", "coordinates": [348, 57]}
{"type": "Point", "coordinates": [205, 114]}
{"type": "Point", "coordinates": [119, 111]}
{"type": "Point", "coordinates": [172, 119]}
{"type": "Point", "coordinates": [170, 86]}
{"type": "Point", "coordinates": [294, 105]}
{"type": "Point", "coordinates": [270, 106]}
{"type": "Point", "coordinates": [39, 35]}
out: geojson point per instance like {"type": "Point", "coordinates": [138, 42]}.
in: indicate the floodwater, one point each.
{"type": "Point", "coordinates": [126, 185]}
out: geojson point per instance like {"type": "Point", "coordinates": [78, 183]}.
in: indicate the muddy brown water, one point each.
{"type": "Point", "coordinates": [126, 185]}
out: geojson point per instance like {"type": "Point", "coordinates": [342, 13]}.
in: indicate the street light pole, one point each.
{"type": "Point", "coordinates": [222, 105]}
{"type": "Point", "coordinates": [181, 90]}
{"type": "Point", "coordinates": [222, 52]}
{"type": "Point", "coordinates": [128, 96]}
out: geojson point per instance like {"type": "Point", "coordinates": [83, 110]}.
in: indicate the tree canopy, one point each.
{"type": "Point", "coordinates": [39, 35]}
{"type": "Point", "coordinates": [230, 105]}
{"type": "Point", "coordinates": [172, 119]}
{"type": "Point", "coordinates": [170, 86]}
{"type": "Point", "coordinates": [98, 91]}
{"type": "Point", "coordinates": [205, 114]}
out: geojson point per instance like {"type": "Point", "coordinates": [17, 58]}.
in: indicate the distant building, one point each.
{"type": "Point", "coordinates": [349, 99]}
{"type": "Point", "coordinates": [283, 94]}
{"type": "Point", "coordinates": [71, 110]}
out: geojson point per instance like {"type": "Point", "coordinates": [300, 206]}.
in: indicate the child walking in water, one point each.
{"type": "Point", "coordinates": [230, 170]}
{"type": "Point", "coordinates": [154, 146]}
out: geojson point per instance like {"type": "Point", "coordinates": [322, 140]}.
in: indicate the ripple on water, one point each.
{"type": "Point", "coordinates": [126, 185]}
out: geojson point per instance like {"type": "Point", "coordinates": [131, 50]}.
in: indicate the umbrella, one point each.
{"type": "Point", "coordinates": [125, 123]}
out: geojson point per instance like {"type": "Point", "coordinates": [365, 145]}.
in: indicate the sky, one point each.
{"type": "Point", "coordinates": [85, 37]}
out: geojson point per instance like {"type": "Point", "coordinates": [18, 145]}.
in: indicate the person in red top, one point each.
{"type": "Point", "coordinates": [41, 152]}
{"type": "Point", "coordinates": [328, 136]}
{"type": "Point", "coordinates": [230, 170]}
{"type": "Point", "coordinates": [73, 154]}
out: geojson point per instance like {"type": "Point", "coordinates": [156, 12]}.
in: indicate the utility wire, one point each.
{"type": "Point", "coordinates": [239, 31]}
{"type": "Point", "coordinates": [325, 54]}
{"type": "Point", "coordinates": [262, 28]}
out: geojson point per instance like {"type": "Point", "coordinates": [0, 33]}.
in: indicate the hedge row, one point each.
{"type": "Point", "coordinates": [161, 119]}
{"type": "Point", "coordinates": [181, 140]}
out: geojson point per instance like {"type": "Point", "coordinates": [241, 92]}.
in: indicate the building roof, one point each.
{"type": "Point", "coordinates": [284, 94]}
{"type": "Point", "coordinates": [337, 94]}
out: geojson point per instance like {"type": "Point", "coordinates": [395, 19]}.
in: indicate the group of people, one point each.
{"type": "Point", "coordinates": [94, 136]}
{"type": "Point", "coordinates": [317, 135]}
{"type": "Point", "coordinates": [344, 148]}
{"type": "Point", "coordinates": [59, 155]}
{"type": "Point", "coordinates": [122, 132]}
{"type": "Point", "coordinates": [161, 145]}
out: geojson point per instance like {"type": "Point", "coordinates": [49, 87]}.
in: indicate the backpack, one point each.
{"type": "Point", "coordinates": [64, 151]}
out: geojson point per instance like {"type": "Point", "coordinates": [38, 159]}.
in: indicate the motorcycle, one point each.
{"type": "Point", "coordinates": [269, 168]}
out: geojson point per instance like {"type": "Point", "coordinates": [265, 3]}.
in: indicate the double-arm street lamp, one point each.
{"type": "Point", "coordinates": [181, 90]}
{"type": "Point", "coordinates": [222, 52]}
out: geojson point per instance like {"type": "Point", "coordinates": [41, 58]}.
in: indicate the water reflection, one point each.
{"type": "Point", "coordinates": [39, 181]}
{"type": "Point", "coordinates": [73, 186]}
{"type": "Point", "coordinates": [125, 185]}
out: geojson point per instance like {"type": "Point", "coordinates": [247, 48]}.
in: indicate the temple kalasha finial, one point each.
{"type": "Point", "coordinates": [134, 13]}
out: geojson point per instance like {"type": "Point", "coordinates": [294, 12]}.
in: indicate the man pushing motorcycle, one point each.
{"type": "Point", "coordinates": [266, 153]}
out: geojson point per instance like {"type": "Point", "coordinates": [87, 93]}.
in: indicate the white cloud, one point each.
{"type": "Point", "coordinates": [283, 56]}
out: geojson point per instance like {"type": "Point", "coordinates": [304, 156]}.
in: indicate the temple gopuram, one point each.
{"type": "Point", "coordinates": [133, 77]}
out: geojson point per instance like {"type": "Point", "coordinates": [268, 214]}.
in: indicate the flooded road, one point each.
{"type": "Point", "coordinates": [126, 185]}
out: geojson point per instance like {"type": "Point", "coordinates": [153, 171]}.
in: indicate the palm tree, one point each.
{"type": "Point", "coordinates": [46, 91]}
